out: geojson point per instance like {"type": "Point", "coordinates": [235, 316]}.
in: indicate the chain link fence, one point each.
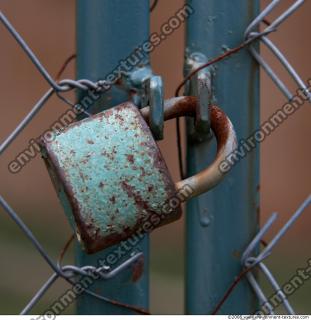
{"type": "Point", "coordinates": [251, 260]}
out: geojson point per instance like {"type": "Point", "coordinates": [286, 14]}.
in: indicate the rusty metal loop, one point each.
{"type": "Point", "coordinates": [225, 137]}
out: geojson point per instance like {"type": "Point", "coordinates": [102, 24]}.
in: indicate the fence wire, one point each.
{"type": "Point", "coordinates": [250, 260]}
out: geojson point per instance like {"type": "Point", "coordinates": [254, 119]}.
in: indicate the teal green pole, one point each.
{"type": "Point", "coordinates": [221, 223]}
{"type": "Point", "coordinates": [107, 32]}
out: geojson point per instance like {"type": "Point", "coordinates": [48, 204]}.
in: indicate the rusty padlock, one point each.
{"type": "Point", "coordinates": [112, 179]}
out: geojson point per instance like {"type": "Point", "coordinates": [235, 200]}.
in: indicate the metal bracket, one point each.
{"type": "Point", "coordinates": [154, 92]}
{"type": "Point", "coordinates": [147, 89]}
{"type": "Point", "coordinates": [200, 85]}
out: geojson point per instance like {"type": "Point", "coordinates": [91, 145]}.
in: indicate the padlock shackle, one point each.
{"type": "Point", "coordinates": [225, 137]}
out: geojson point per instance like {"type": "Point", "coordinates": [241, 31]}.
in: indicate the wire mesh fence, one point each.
{"type": "Point", "coordinates": [251, 260]}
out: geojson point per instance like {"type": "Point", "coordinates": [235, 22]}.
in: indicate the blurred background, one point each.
{"type": "Point", "coordinates": [49, 28]}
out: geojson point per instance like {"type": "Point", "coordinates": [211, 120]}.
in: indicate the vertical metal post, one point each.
{"type": "Point", "coordinates": [221, 223]}
{"type": "Point", "coordinates": [107, 32]}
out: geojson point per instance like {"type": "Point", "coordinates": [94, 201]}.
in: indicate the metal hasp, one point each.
{"type": "Point", "coordinates": [147, 90]}
{"type": "Point", "coordinates": [200, 85]}
{"type": "Point", "coordinates": [221, 223]}
{"type": "Point", "coordinates": [107, 33]}
{"type": "Point", "coordinates": [154, 89]}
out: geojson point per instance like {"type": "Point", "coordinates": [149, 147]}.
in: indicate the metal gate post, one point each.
{"type": "Point", "coordinates": [222, 222]}
{"type": "Point", "coordinates": [107, 32]}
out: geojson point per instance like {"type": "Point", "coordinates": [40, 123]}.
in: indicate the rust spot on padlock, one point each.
{"type": "Point", "coordinates": [138, 269]}
{"type": "Point", "coordinates": [130, 158]}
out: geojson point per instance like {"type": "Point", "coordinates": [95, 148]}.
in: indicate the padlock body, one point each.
{"type": "Point", "coordinates": [111, 177]}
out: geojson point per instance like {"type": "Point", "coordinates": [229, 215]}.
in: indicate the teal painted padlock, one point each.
{"type": "Point", "coordinates": [112, 179]}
